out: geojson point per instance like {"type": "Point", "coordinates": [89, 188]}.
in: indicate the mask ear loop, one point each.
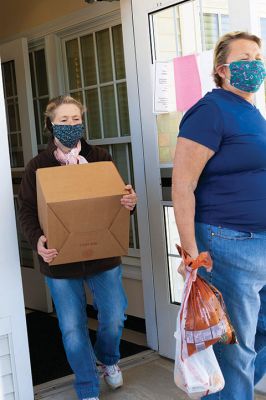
{"type": "Point", "coordinates": [226, 65]}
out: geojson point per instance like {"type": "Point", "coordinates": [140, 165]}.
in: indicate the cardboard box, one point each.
{"type": "Point", "coordinates": [80, 212]}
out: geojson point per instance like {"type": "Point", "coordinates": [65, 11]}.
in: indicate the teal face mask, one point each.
{"type": "Point", "coordinates": [247, 75]}
{"type": "Point", "coordinates": [68, 135]}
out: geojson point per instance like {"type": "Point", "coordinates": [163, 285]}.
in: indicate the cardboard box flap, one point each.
{"type": "Point", "coordinates": [119, 229]}
{"type": "Point", "coordinates": [90, 246]}
{"type": "Point", "coordinates": [88, 219]}
{"type": "Point", "coordinates": [57, 233]}
{"type": "Point", "coordinates": [75, 182]}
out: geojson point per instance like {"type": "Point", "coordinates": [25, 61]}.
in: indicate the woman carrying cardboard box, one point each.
{"type": "Point", "coordinates": [63, 118]}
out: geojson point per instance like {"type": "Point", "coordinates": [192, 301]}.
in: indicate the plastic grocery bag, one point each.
{"type": "Point", "coordinates": [202, 321]}
{"type": "Point", "coordinates": [205, 320]}
{"type": "Point", "coordinates": [199, 374]}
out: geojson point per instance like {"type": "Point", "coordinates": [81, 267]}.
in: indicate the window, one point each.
{"type": "Point", "coordinates": [215, 25]}
{"type": "Point", "coordinates": [187, 28]}
{"type": "Point", "coordinates": [13, 118]}
{"type": "Point", "coordinates": [167, 34]}
{"type": "Point", "coordinates": [172, 237]}
{"type": "Point", "coordinates": [40, 92]}
{"type": "Point", "coordinates": [95, 73]}
{"type": "Point", "coordinates": [263, 33]}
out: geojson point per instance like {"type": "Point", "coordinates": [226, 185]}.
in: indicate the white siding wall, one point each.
{"type": "Point", "coordinates": [7, 389]}
{"type": "Point", "coordinates": [7, 367]}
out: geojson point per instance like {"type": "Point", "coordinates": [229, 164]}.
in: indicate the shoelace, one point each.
{"type": "Point", "coordinates": [111, 369]}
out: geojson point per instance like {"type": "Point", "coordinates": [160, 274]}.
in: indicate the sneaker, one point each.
{"type": "Point", "coordinates": [112, 375]}
{"type": "Point", "coordinates": [91, 398]}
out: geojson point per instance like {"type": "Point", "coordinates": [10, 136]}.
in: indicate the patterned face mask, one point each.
{"type": "Point", "coordinates": [68, 135]}
{"type": "Point", "coordinates": [247, 75]}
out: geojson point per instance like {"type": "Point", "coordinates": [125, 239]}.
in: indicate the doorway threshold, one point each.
{"type": "Point", "coordinates": [57, 386]}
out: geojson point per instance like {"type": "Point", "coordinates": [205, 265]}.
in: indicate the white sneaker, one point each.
{"type": "Point", "coordinates": [91, 398]}
{"type": "Point", "coordinates": [112, 375]}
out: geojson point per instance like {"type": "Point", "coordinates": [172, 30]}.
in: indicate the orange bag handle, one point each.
{"type": "Point", "coordinates": [203, 259]}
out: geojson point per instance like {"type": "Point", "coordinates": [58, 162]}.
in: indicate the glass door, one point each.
{"type": "Point", "coordinates": [164, 32]}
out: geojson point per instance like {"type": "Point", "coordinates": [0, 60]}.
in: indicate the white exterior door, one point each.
{"type": "Point", "coordinates": [15, 371]}
{"type": "Point", "coordinates": [158, 37]}
{"type": "Point", "coordinates": [22, 147]}
{"type": "Point", "coordinates": [164, 30]}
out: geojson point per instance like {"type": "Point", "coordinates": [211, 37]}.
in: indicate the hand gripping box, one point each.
{"type": "Point", "coordinates": [80, 212]}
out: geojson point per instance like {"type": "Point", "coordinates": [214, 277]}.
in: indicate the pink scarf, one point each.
{"type": "Point", "coordinates": [72, 157]}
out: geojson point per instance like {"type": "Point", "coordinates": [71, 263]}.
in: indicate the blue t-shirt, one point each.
{"type": "Point", "coordinates": [231, 191]}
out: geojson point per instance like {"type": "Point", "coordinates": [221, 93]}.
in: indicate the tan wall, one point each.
{"type": "Point", "coordinates": [22, 15]}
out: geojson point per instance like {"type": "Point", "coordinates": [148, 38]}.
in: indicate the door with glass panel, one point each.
{"type": "Point", "coordinates": [95, 75]}
{"type": "Point", "coordinates": [22, 147]}
{"type": "Point", "coordinates": [162, 34]}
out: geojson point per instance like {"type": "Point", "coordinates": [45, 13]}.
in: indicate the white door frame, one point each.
{"type": "Point", "coordinates": [140, 95]}
{"type": "Point", "coordinates": [137, 142]}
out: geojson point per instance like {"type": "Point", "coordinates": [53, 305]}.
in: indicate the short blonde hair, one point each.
{"type": "Point", "coordinates": [53, 104]}
{"type": "Point", "coordinates": [222, 50]}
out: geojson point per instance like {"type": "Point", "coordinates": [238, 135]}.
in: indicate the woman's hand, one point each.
{"type": "Point", "coordinates": [129, 200]}
{"type": "Point", "coordinates": [47, 254]}
{"type": "Point", "coordinates": [182, 270]}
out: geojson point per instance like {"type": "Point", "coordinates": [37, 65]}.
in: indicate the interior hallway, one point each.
{"type": "Point", "coordinates": [147, 376]}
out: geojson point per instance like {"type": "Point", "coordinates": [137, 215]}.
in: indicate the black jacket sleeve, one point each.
{"type": "Point", "coordinates": [28, 211]}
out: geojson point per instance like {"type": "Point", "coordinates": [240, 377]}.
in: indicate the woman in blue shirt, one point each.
{"type": "Point", "coordinates": [219, 197]}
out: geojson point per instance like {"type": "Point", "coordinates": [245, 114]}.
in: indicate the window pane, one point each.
{"type": "Point", "coordinates": [104, 56]}
{"type": "Point", "coordinates": [88, 60]}
{"type": "Point", "coordinates": [78, 96]}
{"type": "Point", "coordinates": [14, 140]}
{"type": "Point", "coordinates": [109, 111]}
{"type": "Point", "coordinates": [12, 113]}
{"type": "Point", "coordinates": [225, 27]}
{"type": "Point", "coordinates": [9, 78]}
{"type": "Point", "coordinates": [42, 107]}
{"type": "Point", "coordinates": [172, 238]}
{"type": "Point", "coordinates": [123, 109]}
{"type": "Point", "coordinates": [263, 32]}
{"type": "Point", "coordinates": [36, 116]}
{"type": "Point", "coordinates": [93, 114]}
{"type": "Point", "coordinates": [17, 158]}
{"type": "Point", "coordinates": [32, 75]}
{"type": "Point", "coordinates": [73, 64]}
{"type": "Point", "coordinates": [211, 30]}
{"type": "Point", "coordinates": [118, 52]}
{"type": "Point", "coordinates": [41, 73]}
{"type": "Point", "coordinates": [11, 116]}
{"type": "Point", "coordinates": [120, 159]}
{"type": "Point", "coordinates": [17, 115]}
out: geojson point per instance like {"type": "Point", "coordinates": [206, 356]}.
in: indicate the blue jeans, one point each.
{"type": "Point", "coordinates": [70, 303]}
{"type": "Point", "coordinates": [239, 272]}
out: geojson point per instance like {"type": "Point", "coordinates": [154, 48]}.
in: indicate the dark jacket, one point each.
{"type": "Point", "coordinates": [28, 213]}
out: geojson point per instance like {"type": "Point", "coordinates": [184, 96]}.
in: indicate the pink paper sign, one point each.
{"type": "Point", "coordinates": [187, 82]}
